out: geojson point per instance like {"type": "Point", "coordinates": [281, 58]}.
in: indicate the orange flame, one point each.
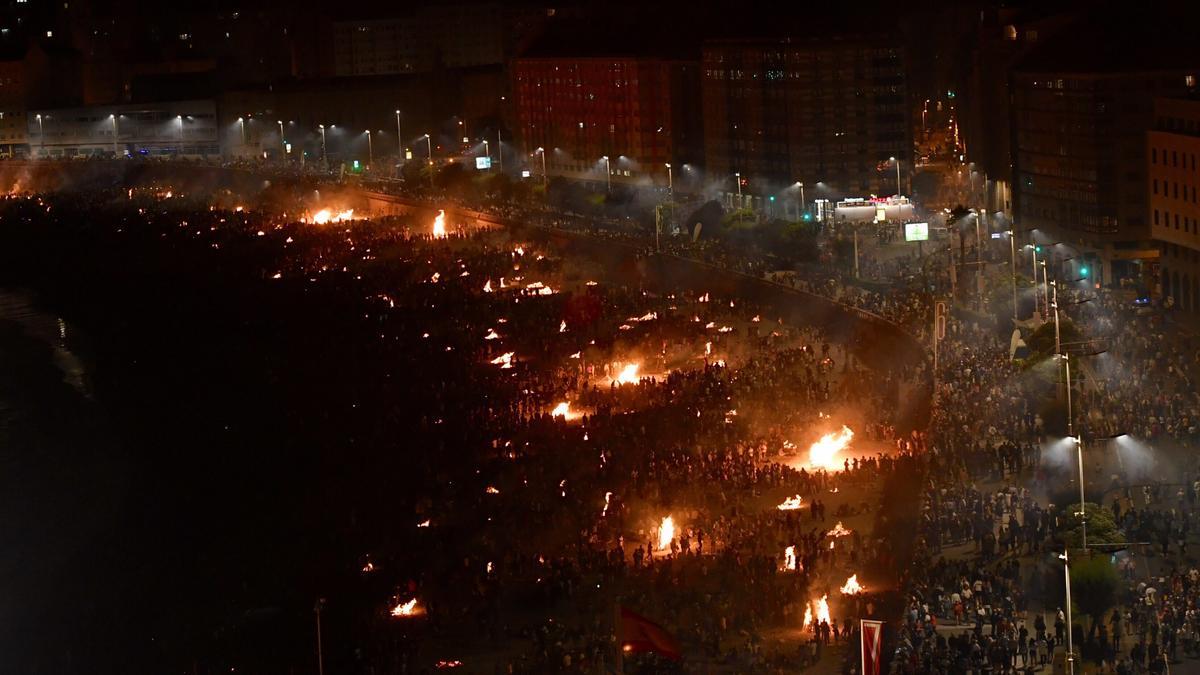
{"type": "Point", "coordinates": [504, 360]}
{"type": "Point", "coordinates": [628, 374]}
{"type": "Point", "coordinates": [823, 453]}
{"type": "Point", "coordinates": [439, 225]}
{"type": "Point", "coordinates": [839, 531]}
{"type": "Point", "coordinates": [790, 504]}
{"type": "Point", "coordinates": [821, 612]}
{"type": "Point", "coordinates": [666, 533]}
{"type": "Point", "coordinates": [852, 586]}
{"type": "Point", "coordinates": [561, 410]}
{"type": "Point", "coordinates": [407, 609]}
{"type": "Point", "coordinates": [789, 558]}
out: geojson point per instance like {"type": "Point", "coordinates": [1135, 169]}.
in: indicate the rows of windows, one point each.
{"type": "Point", "coordinates": [1189, 159]}
{"type": "Point", "coordinates": [1171, 189]}
{"type": "Point", "coordinates": [1168, 219]}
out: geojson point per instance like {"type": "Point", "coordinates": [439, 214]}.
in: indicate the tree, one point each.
{"type": "Point", "coordinates": [1101, 528]}
{"type": "Point", "coordinates": [1094, 585]}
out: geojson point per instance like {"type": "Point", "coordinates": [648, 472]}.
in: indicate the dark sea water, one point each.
{"type": "Point", "coordinates": [61, 486]}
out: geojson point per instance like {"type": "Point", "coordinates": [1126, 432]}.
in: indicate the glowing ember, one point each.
{"type": "Point", "coordinates": [407, 609]}
{"type": "Point", "coordinates": [492, 335]}
{"type": "Point", "coordinates": [504, 360]}
{"type": "Point", "coordinates": [666, 533]}
{"type": "Point", "coordinates": [628, 374]}
{"type": "Point", "coordinates": [790, 504]}
{"type": "Point", "coordinates": [487, 288]}
{"type": "Point", "coordinates": [839, 531]}
{"type": "Point", "coordinates": [439, 225]}
{"type": "Point", "coordinates": [852, 586]}
{"type": "Point", "coordinates": [789, 558]}
{"type": "Point", "coordinates": [423, 523]}
{"type": "Point", "coordinates": [607, 496]}
{"type": "Point", "coordinates": [491, 490]}
{"type": "Point", "coordinates": [823, 453]}
{"type": "Point", "coordinates": [369, 567]}
{"type": "Point", "coordinates": [561, 410]}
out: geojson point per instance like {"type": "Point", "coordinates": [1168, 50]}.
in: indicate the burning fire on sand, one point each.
{"type": "Point", "coordinates": [823, 453]}
{"type": "Point", "coordinates": [439, 225]}
{"type": "Point", "coordinates": [852, 587]}
{"type": "Point", "coordinates": [666, 533]}
{"type": "Point", "coordinates": [406, 609]}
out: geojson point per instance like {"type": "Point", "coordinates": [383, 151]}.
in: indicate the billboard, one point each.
{"type": "Point", "coordinates": [483, 163]}
{"type": "Point", "coordinates": [916, 232]}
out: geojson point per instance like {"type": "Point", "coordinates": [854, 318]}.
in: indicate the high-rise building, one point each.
{"type": "Point", "coordinates": [1173, 154]}
{"type": "Point", "coordinates": [1079, 118]}
{"type": "Point", "coordinates": [629, 116]}
{"type": "Point", "coordinates": [829, 112]}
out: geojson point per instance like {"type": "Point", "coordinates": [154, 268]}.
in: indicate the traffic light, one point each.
{"type": "Point", "coordinates": [1083, 271]}
{"type": "Point", "coordinates": [808, 216]}
{"type": "Point", "coordinates": [1037, 248]}
{"type": "Point", "coordinates": [772, 197]}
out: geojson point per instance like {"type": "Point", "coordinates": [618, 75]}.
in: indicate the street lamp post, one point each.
{"type": "Point", "coordinates": [42, 137]}
{"type": "Point", "coordinates": [487, 152]}
{"type": "Point", "coordinates": [499, 152]}
{"type": "Point", "coordinates": [324, 157]}
{"type": "Point", "coordinates": [737, 176]}
{"type": "Point", "coordinates": [320, 652]}
{"type": "Point", "coordinates": [116, 132]}
{"type": "Point", "coordinates": [1070, 623]}
{"type": "Point", "coordinates": [180, 150]}
{"type": "Point", "coordinates": [898, 192]}
{"type": "Point", "coordinates": [670, 182]}
{"type": "Point", "coordinates": [370, 150]}
{"type": "Point", "coordinates": [429, 147]}
{"type": "Point", "coordinates": [399, 139]}
{"type": "Point", "coordinates": [242, 124]}
{"type": "Point", "coordinates": [607, 173]}
{"type": "Point", "coordinates": [282, 142]}
{"type": "Point", "coordinates": [1012, 248]}
{"type": "Point", "coordinates": [1045, 285]}
{"type": "Point", "coordinates": [802, 202]}
{"type": "Point", "coordinates": [542, 152]}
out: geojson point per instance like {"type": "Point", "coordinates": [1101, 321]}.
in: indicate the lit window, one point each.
{"type": "Point", "coordinates": [49, 33]}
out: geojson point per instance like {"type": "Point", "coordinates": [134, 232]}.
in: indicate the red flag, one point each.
{"type": "Point", "coordinates": [871, 637]}
{"type": "Point", "coordinates": [639, 634]}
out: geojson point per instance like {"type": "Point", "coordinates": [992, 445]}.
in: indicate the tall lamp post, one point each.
{"type": "Point", "coordinates": [1012, 248]}
{"type": "Point", "coordinates": [324, 157]}
{"type": "Point", "coordinates": [42, 137]}
{"type": "Point", "coordinates": [800, 215]}
{"type": "Point", "coordinates": [370, 150]}
{"type": "Point", "coordinates": [282, 142]}
{"type": "Point", "coordinates": [499, 152]}
{"type": "Point", "coordinates": [1070, 642]}
{"type": "Point", "coordinates": [607, 174]}
{"type": "Point", "coordinates": [898, 191]}
{"type": "Point", "coordinates": [737, 177]}
{"type": "Point", "coordinates": [429, 147]}
{"type": "Point", "coordinates": [487, 152]}
{"type": "Point", "coordinates": [670, 182]}
{"type": "Point", "coordinates": [179, 118]}
{"type": "Point", "coordinates": [542, 152]}
{"type": "Point", "coordinates": [399, 139]}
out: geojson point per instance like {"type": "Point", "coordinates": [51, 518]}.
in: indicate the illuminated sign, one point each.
{"type": "Point", "coordinates": [916, 232]}
{"type": "Point", "coordinates": [483, 163]}
{"type": "Point", "coordinates": [525, 173]}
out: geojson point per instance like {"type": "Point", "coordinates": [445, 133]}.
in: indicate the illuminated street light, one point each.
{"type": "Point", "coordinates": [429, 147]}
{"type": "Point", "coordinates": [324, 157]}
{"type": "Point", "coordinates": [670, 181]}
{"type": "Point", "coordinates": [607, 173]}
{"type": "Point", "coordinates": [737, 175]}
{"type": "Point", "coordinates": [898, 190]}
{"type": "Point", "coordinates": [282, 142]}
{"type": "Point", "coordinates": [399, 138]}
{"type": "Point", "coordinates": [370, 149]}
{"type": "Point", "coordinates": [542, 152]}
{"type": "Point", "coordinates": [242, 124]}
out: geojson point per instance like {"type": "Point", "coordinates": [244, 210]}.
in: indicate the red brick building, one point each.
{"type": "Point", "coordinates": [641, 113]}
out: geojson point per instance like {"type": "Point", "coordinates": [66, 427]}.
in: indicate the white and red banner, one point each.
{"type": "Point", "coordinates": [871, 645]}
